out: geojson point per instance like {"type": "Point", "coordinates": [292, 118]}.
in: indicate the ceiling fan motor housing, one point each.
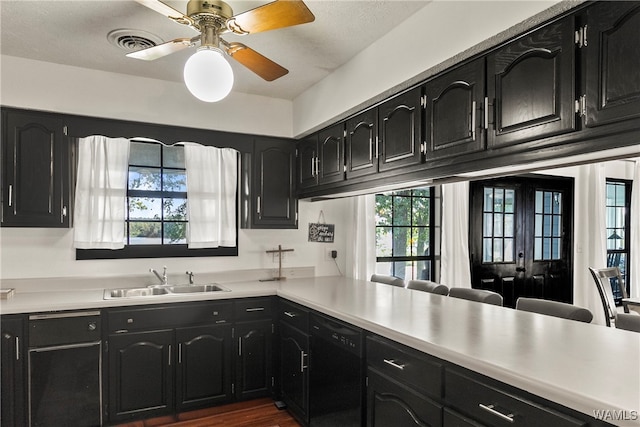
{"type": "Point", "coordinates": [209, 7]}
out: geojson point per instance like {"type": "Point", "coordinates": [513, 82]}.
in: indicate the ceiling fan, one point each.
{"type": "Point", "coordinates": [213, 18]}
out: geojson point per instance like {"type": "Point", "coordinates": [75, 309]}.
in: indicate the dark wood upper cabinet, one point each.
{"type": "Point", "coordinates": [330, 167]}
{"type": "Point", "coordinates": [613, 62]}
{"type": "Point", "coordinates": [531, 85]}
{"type": "Point", "coordinates": [362, 132]}
{"type": "Point", "coordinates": [455, 111]}
{"type": "Point", "coordinates": [35, 186]}
{"type": "Point", "coordinates": [274, 184]}
{"type": "Point", "coordinates": [400, 130]}
{"type": "Point", "coordinates": [308, 161]}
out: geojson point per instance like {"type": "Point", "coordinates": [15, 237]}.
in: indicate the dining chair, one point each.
{"type": "Point", "coordinates": [628, 322]}
{"type": "Point", "coordinates": [428, 286]}
{"type": "Point", "coordinates": [554, 308]}
{"type": "Point", "coordinates": [480, 295]}
{"type": "Point", "coordinates": [389, 280]}
{"type": "Point", "coordinates": [602, 277]}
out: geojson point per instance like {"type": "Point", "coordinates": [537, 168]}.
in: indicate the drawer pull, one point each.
{"type": "Point", "coordinates": [249, 310]}
{"type": "Point", "coordinates": [393, 363]}
{"type": "Point", "coordinates": [302, 365]}
{"type": "Point", "coordinates": [490, 409]}
{"type": "Point", "coordinates": [290, 314]}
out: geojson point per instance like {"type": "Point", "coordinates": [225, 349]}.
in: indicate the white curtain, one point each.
{"type": "Point", "coordinates": [590, 237]}
{"type": "Point", "coordinates": [101, 190]}
{"type": "Point", "coordinates": [212, 179]}
{"type": "Point", "coordinates": [362, 235]}
{"type": "Point", "coordinates": [634, 261]}
{"type": "Point", "coordinates": [455, 267]}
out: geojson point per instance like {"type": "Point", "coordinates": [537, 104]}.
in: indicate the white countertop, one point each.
{"type": "Point", "coordinates": [581, 366]}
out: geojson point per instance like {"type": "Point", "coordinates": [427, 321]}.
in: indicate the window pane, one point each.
{"type": "Point", "coordinates": [383, 210]}
{"type": "Point", "coordinates": [497, 250]}
{"type": "Point", "coordinates": [488, 199]}
{"type": "Point", "coordinates": [620, 195]}
{"type": "Point", "coordinates": [175, 209]}
{"type": "Point", "coordinates": [546, 248]}
{"type": "Point", "coordinates": [508, 250]}
{"type": "Point", "coordinates": [423, 270]}
{"type": "Point", "coordinates": [145, 208]}
{"type": "Point", "coordinates": [557, 205]}
{"type": "Point", "coordinates": [144, 233]}
{"type": "Point", "coordinates": [508, 225]}
{"type": "Point", "coordinates": [384, 241]}
{"type": "Point", "coordinates": [175, 233]}
{"type": "Point", "coordinates": [498, 200]}
{"type": "Point", "coordinates": [539, 202]}
{"type": "Point", "coordinates": [401, 210]}
{"type": "Point", "coordinates": [497, 225]}
{"type": "Point", "coordinates": [421, 192]}
{"type": "Point", "coordinates": [537, 249]}
{"type": "Point", "coordinates": [556, 248]}
{"type": "Point", "coordinates": [420, 241]}
{"type": "Point", "coordinates": [487, 250]}
{"type": "Point", "coordinates": [173, 157]}
{"type": "Point", "coordinates": [145, 154]}
{"type": "Point", "coordinates": [487, 225]}
{"type": "Point", "coordinates": [509, 201]}
{"type": "Point", "coordinates": [174, 180]}
{"type": "Point", "coordinates": [420, 214]}
{"type": "Point", "coordinates": [538, 226]}
{"type": "Point", "coordinates": [555, 229]}
{"type": "Point", "coordinates": [143, 178]}
{"type": "Point", "coordinates": [401, 241]}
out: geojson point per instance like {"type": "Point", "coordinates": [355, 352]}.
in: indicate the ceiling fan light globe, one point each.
{"type": "Point", "coordinates": [208, 75]}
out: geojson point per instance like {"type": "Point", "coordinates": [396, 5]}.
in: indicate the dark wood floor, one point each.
{"type": "Point", "coordinates": [253, 413]}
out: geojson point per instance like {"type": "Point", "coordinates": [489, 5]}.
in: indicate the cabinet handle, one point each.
{"type": "Point", "coordinates": [17, 348]}
{"type": "Point", "coordinates": [258, 205]}
{"type": "Point", "coordinates": [317, 166]}
{"type": "Point", "coordinates": [290, 314]}
{"type": "Point", "coordinates": [10, 194]}
{"type": "Point", "coordinates": [394, 364]}
{"type": "Point", "coordinates": [179, 353]}
{"type": "Point", "coordinates": [473, 120]}
{"type": "Point", "coordinates": [169, 354]}
{"type": "Point", "coordinates": [486, 112]}
{"type": "Point", "coordinates": [64, 211]}
{"type": "Point", "coordinates": [239, 346]}
{"type": "Point", "coordinates": [302, 365]}
{"type": "Point", "coordinates": [490, 409]}
{"type": "Point", "coordinates": [249, 310]}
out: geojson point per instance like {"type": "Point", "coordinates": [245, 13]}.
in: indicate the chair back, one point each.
{"type": "Point", "coordinates": [428, 286]}
{"type": "Point", "coordinates": [602, 277]}
{"type": "Point", "coordinates": [389, 280]}
{"type": "Point", "coordinates": [480, 295]}
{"type": "Point", "coordinates": [554, 308]}
{"type": "Point", "coordinates": [628, 322]}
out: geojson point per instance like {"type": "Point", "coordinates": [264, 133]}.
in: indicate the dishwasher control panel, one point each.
{"type": "Point", "coordinates": [337, 333]}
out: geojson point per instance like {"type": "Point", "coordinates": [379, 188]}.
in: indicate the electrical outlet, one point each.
{"type": "Point", "coordinates": [329, 254]}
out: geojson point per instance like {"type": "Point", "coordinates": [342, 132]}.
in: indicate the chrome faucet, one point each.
{"type": "Point", "coordinates": [190, 274]}
{"type": "Point", "coordinates": [163, 278]}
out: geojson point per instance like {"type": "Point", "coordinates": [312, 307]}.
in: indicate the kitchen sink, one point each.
{"type": "Point", "coordinates": [152, 291]}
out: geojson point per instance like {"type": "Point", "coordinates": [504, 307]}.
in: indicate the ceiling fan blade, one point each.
{"type": "Point", "coordinates": [168, 11]}
{"type": "Point", "coordinates": [259, 64]}
{"type": "Point", "coordinates": [161, 50]}
{"type": "Point", "coordinates": [278, 14]}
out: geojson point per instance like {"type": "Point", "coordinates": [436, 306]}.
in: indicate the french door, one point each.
{"type": "Point", "coordinates": [520, 237]}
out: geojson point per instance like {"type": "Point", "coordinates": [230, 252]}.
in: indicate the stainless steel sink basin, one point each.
{"type": "Point", "coordinates": [187, 289]}
{"type": "Point", "coordinates": [152, 291]}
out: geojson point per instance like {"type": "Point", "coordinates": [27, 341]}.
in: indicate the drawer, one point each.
{"type": "Point", "coordinates": [495, 407]}
{"type": "Point", "coordinates": [293, 314]}
{"type": "Point", "coordinates": [416, 369]}
{"type": "Point", "coordinates": [453, 419]}
{"type": "Point", "coordinates": [130, 319]}
{"type": "Point", "coordinates": [63, 328]}
{"type": "Point", "coordinates": [253, 308]}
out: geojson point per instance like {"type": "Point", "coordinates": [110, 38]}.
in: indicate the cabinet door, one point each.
{"type": "Point", "coordinates": [331, 154]}
{"type": "Point", "coordinates": [294, 371]}
{"type": "Point", "coordinates": [531, 84]}
{"type": "Point", "coordinates": [36, 171]}
{"type": "Point", "coordinates": [455, 113]}
{"type": "Point", "coordinates": [362, 156]}
{"type": "Point", "coordinates": [140, 375]}
{"type": "Point", "coordinates": [308, 161]}
{"type": "Point", "coordinates": [391, 404]}
{"type": "Point", "coordinates": [254, 367]}
{"type": "Point", "coordinates": [400, 130]}
{"type": "Point", "coordinates": [12, 387]}
{"type": "Point", "coordinates": [203, 366]}
{"type": "Point", "coordinates": [613, 60]}
{"type": "Point", "coordinates": [275, 201]}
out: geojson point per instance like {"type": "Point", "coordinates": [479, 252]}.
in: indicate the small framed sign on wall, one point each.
{"type": "Point", "coordinates": [320, 231]}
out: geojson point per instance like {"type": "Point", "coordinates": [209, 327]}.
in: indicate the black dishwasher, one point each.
{"type": "Point", "coordinates": [65, 361]}
{"type": "Point", "coordinates": [336, 374]}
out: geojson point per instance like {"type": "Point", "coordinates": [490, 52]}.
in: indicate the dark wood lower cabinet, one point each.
{"type": "Point", "coordinates": [390, 404]}
{"type": "Point", "coordinates": [12, 387]}
{"type": "Point", "coordinates": [294, 371]}
{"type": "Point", "coordinates": [140, 374]}
{"type": "Point", "coordinates": [254, 373]}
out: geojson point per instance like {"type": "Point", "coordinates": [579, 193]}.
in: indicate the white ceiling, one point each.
{"type": "Point", "coordinates": [75, 33]}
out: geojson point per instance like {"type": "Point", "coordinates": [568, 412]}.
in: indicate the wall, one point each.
{"type": "Point", "coordinates": [45, 253]}
{"type": "Point", "coordinates": [437, 32]}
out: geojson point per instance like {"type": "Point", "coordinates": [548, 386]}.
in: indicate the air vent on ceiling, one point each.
{"type": "Point", "coordinates": [132, 40]}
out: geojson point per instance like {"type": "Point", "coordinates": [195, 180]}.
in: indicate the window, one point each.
{"type": "Point", "coordinates": [404, 234]}
{"type": "Point", "coordinates": [156, 206]}
{"type": "Point", "coordinates": [618, 195]}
